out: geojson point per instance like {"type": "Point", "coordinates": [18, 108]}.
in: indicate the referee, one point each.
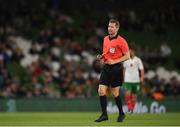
{"type": "Point", "coordinates": [115, 51]}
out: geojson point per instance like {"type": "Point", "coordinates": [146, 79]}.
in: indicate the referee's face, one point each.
{"type": "Point", "coordinates": [112, 29]}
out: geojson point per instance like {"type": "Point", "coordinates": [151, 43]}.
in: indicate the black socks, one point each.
{"type": "Point", "coordinates": [103, 101]}
{"type": "Point", "coordinates": [119, 105]}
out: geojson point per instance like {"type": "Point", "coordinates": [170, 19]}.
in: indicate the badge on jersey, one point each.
{"type": "Point", "coordinates": [112, 50]}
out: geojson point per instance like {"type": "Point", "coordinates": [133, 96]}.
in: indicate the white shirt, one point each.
{"type": "Point", "coordinates": [132, 67]}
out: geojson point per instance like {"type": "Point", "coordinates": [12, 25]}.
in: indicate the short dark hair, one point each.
{"type": "Point", "coordinates": [132, 47]}
{"type": "Point", "coordinates": [115, 21]}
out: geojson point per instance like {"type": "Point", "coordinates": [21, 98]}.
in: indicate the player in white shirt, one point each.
{"type": "Point", "coordinates": [133, 78]}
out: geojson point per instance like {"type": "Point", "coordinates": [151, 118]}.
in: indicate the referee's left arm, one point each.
{"type": "Point", "coordinates": [125, 57]}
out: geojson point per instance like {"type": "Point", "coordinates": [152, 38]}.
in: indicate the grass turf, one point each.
{"type": "Point", "coordinates": [86, 119]}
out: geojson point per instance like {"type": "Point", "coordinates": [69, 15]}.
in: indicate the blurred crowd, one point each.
{"type": "Point", "coordinates": [56, 50]}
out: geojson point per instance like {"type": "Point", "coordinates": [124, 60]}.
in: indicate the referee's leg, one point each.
{"type": "Point", "coordinates": [103, 101]}
{"type": "Point", "coordinates": [115, 93]}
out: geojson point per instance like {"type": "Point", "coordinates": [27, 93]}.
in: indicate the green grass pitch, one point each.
{"type": "Point", "coordinates": [86, 119]}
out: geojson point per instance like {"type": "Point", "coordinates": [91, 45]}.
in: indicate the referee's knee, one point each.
{"type": "Point", "coordinates": [101, 92]}
{"type": "Point", "coordinates": [115, 94]}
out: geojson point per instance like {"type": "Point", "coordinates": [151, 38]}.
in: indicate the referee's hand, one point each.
{"type": "Point", "coordinates": [111, 62]}
{"type": "Point", "coordinates": [99, 57]}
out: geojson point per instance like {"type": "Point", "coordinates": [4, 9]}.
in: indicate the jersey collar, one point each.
{"type": "Point", "coordinates": [115, 37]}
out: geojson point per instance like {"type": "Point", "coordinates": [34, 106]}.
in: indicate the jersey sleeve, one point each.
{"type": "Point", "coordinates": [103, 50]}
{"type": "Point", "coordinates": [124, 46]}
{"type": "Point", "coordinates": [140, 64]}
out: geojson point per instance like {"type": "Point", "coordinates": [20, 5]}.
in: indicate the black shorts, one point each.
{"type": "Point", "coordinates": [112, 75]}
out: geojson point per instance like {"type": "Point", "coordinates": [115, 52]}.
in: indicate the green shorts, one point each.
{"type": "Point", "coordinates": [133, 87]}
